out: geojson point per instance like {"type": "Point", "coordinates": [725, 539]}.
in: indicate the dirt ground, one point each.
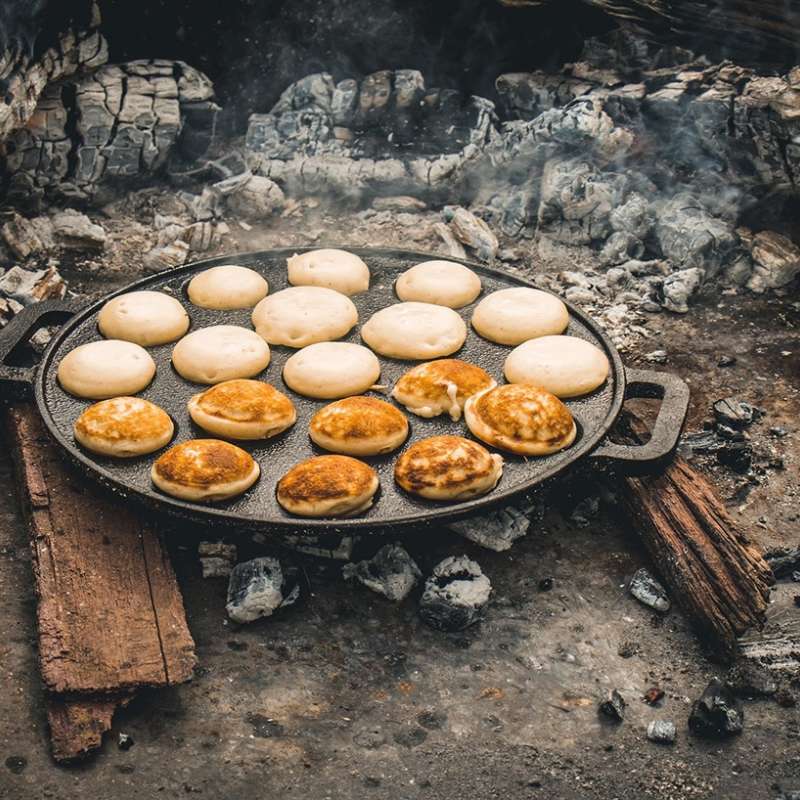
{"type": "Point", "coordinates": [347, 694]}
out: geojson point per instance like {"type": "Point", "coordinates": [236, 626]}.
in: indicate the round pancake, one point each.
{"type": "Point", "coordinates": [564, 365]}
{"type": "Point", "coordinates": [414, 331]}
{"type": "Point", "coordinates": [359, 426]}
{"type": "Point", "coordinates": [520, 418]}
{"type": "Point", "coordinates": [328, 486]}
{"type": "Point", "coordinates": [329, 370]}
{"type": "Point", "coordinates": [444, 283]}
{"type": "Point", "coordinates": [227, 287]}
{"type": "Point", "coordinates": [242, 409]}
{"type": "Point", "coordinates": [108, 368]}
{"type": "Point", "coordinates": [145, 318]}
{"type": "Point", "coordinates": [448, 468]}
{"type": "Point", "coordinates": [334, 269]}
{"type": "Point", "coordinates": [219, 353]}
{"type": "Point", "coordinates": [512, 316]}
{"type": "Point", "coordinates": [302, 315]}
{"type": "Point", "coordinates": [204, 470]}
{"type": "Point", "coordinates": [123, 427]}
{"type": "Point", "coordinates": [441, 387]}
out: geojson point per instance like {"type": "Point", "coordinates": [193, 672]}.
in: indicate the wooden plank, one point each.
{"type": "Point", "coordinates": [110, 613]}
{"type": "Point", "coordinates": [77, 725]}
{"type": "Point", "coordinates": [719, 579]}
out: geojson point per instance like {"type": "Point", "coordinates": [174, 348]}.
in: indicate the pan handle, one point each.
{"type": "Point", "coordinates": [658, 450]}
{"type": "Point", "coordinates": [16, 383]}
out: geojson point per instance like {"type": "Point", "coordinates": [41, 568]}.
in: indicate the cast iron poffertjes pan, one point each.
{"type": "Point", "coordinates": [258, 509]}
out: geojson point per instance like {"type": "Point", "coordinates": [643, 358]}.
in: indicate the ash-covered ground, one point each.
{"type": "Point", "coordinates": [346, 692]}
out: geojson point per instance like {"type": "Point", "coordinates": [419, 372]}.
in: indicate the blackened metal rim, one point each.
{"type": "Point", "coordinates": [435, 514]}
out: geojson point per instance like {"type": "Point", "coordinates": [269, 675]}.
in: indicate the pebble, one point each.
{"type": "Point", "coordinates": [734, 413]}
{"type": "Point", "coordinates": [661, 731]}
{"type": "Point", "coordinates": [546, 584]}
{"type": "Point", "coordinates": [657, 357]}
{"type": "Point", "coordinates": [647, 590]}
{"type": "Point", "coordinates": [125, 741]}
{"type": "Point", "coordinates": [726, 361]}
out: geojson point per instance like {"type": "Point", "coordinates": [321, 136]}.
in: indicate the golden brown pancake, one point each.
{"type": "Point", "coordinates": [359, 426]}
{"type": "Point", "coordinates": [123, 427]}
{"type": "Point", "coordinates": [441, 387]}
{"type": "Point", "coordinates": [328, 486]}
{"type": "Point", "coordinates": [242, 409]}
{"type": "Point", "coordinates": [521, 418]}
{"type": "Point", "coordinates": [204, 470]}
{"type": "Point", "coordinates": [448, 468]}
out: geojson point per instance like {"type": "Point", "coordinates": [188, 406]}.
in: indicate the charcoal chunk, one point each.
{"type": "Point", "coordinates": [613, 706]}
{"type": "Point", "coordinates": [390, 572]}
{"type": "Point", "coordinates": [736, 455]}
{"type": "Point", "coordinates": [717, 714]}
{"type": "Point", "coordinates": [783, 560]}
{"type": "Point", "coordinates": [734, 413]}
{"type": "Point", "coordinates": [259, 587]}
{"type": "Point", "coordinates": [455, 595]}
{"type": "Point", "coordinates": [646, 589]}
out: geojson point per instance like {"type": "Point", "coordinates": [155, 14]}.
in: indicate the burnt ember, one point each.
{"type": "Point", "coordinates": [613, 707]}
{"type": "Point", "coordinates": [259, 587]}
{"type": "Point", "coordinates": [455, 595]}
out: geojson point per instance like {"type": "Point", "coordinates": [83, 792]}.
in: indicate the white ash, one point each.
{"type": "Point", "coordinates": [472, 232]}
{"type": "Point", "coordinates": [390, 572]}
{"type": "Point", "coordinates": [498, 530]}
{"type": "Point", "coordinates": [30, 286]}
{"type": "Point", "coordinates": [455, 594]}
{"type": "Point", "coordinates": [259, 587]}
{"type": "Point", "coordinates": [452, 247]}
{"type": "Point", "coordinates": [678, 287]}
{"type": "Point", "coordinates": [777, 261]}
{"type": "Point", "coordinates": [216, 558]}
{"type": "Point", "coordinates": [74, 230]}
{"type": "Point", "coordinates": [399, 203]}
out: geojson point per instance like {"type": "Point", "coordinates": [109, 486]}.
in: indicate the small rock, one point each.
{"type": "Point", "coordinates": [653, 695]}
{"type": "Point", "coordinates": [778, 433]}
{"type": "Point", "coordinates": [628, 649]}
{"type": "Point", "coordinates": [796, 576]}
{"type": "Point", "coordinates": [585, 511]}
{"type": "Point", "coordinates": [717, 714]}
{"type": "Point", "coordinates": [785, 698]}
{"type": "Point", "coordinates": [545, 584]}
{"type": "Point", "coordinates": [734, 413]}
{"type": "Point", "coordinates": [259, 587]}
{"type": "Point", "coordinates": [390, 572]}
{"type": "Point", "coordinates": [613, 706]}
{"type": "Point", "coordinates": [661, 731]}
{"type": "Point", "coordinates": [125, 741]}
{"type": "Point", "coordinates": [166, 257]}
{"type": "Point", "coordinates": [726, 361]}
{"type": "Point", "coordinates": [16, 764]}
{"type": "Point", "coordinates": [455, 594]}
{"type": "Point", "coordinates": [657, 357]}
{"type": "Point", "coordinates": [216, 559]}
{"type": "Point", "coordinates": [748, 678]}
{"type": "Point", "coordinates": [646, 589]}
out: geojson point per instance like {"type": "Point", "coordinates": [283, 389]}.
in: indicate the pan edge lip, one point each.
{"type": "Point", "coordinates": [300, 526]}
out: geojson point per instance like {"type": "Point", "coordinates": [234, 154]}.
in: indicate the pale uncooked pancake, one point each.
{"type": "Point", "coordinates": [220, 353]}
{"type": "Point", "coordinates": [521, 418]}
{"type": "Point", "coordinates": [359, 426]}
{"type": "Point", "coordinates": [302, 315]}
{"type": "Point", "coordinates": [329, 370]}
{"type": "Point", "coordinates": [242, 409]}
{"type": "Point", "coordinates": [145, 318]}
{"type": "Point", "coordinates": [334, 269]}
{"type": "Point", "coordinates": [414, 331]}
{"type": "Point", "coordinates": [444, 283]}
{"type": "Point", "coordinates": [227, 287]}
{"type": "Point", "coordinates": [564, 365]}
{"type": "Point", "coordinates": [328, 486]}
{"type": "Point", "coordinates": [123, 427]}
{"type": "Point", "coordinates": [448, 468]}
{"type": "Point", "coordinates": [440, 387]}
{"type": "Point", "coordinates": [512, 316]}
{"type": "Point", "coordinates": [108, 368]}
{"type": "Point", "coordinates": [204, 470]}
